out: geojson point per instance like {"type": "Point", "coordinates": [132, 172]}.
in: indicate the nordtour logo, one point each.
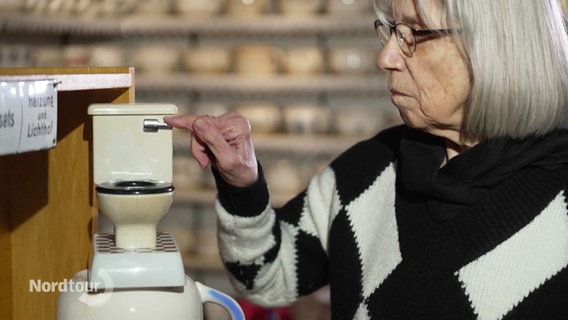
{"type": "Point", "coordinates": [93, 294]}
{"type": "Point", "coordinates": [38, 285]}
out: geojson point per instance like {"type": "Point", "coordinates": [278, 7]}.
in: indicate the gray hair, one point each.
{"type": "Point", "coordinates": [517, 52]}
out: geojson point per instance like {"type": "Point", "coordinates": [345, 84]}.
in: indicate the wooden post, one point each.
{"type": "Point", "coordinates": [47, 211]}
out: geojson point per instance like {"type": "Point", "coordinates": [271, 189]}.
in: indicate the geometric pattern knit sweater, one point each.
{"type": "Point", "coordinates": [396, 237]}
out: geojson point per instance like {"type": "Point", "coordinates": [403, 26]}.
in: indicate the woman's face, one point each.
{"type": "Point", "coordinates": [430, 87]}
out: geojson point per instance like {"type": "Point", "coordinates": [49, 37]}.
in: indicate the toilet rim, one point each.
{"type": "Point", "coordinates": [134, 187]}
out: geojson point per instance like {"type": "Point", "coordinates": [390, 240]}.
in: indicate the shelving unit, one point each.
{"type": "Point", "coordinates": [272, 25]}
{"type": "Point", "coordinates": [47, 214]}
{"type": "Point", "coordinates": [281, 85]}
{"type": "Point", "coordinates": [186, 88]}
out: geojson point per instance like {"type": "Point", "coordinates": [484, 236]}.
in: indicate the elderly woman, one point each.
{"type": "Point", "coordinates": [461, 213]}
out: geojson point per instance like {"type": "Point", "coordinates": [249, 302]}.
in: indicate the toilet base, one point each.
{"type": "Point", "coordinates": [114, 267]}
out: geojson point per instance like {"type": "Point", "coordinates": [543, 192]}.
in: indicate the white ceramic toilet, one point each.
{"type": "Point", "coordinates": [135, 273]}
{"type": "Point", "coordinates": [132, 169]}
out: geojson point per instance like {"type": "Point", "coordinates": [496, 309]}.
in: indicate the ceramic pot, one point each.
{"type": "Point", "coordinates": [247, 8]}
{"type": "Point", "coordinates": [348, 8]}
{"type": "Point", "coordinates": [303, 60]}
{"type": "Point", "coordinates": [307, 119]}
{"type": "Point", "coordinates": [257, 59]}
{"type": "Point", "coordinates": [199, 8]}
{"type": "Point", "coordinates": [299, 8]}
{"type": "Point", "coordinates": [263, 117]}
{"type": "Point", "coordinates": [183, 303]}
{"type": "Point", "coordinates": [156, 59]}
{"type": "Point", "coordinates": [206, 60]}
{"type": "Point", "coordinates": [351, 60]}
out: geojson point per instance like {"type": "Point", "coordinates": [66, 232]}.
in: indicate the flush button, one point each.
{"type": "Point", "coordinates": [153, 125]}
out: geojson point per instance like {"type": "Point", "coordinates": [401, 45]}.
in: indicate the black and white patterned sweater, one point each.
{"type": "Point", "coordinates": [397, 237]}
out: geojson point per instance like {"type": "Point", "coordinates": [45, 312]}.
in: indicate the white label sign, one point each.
{"type": "Point", "coordinates": [28, 115]}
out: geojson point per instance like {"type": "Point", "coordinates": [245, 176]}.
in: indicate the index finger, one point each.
{"type": "Point", "coordinates": [181, 121]}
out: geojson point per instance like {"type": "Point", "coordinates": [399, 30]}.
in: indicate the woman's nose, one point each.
{"type": "Point", "coordinates": [390, 56]}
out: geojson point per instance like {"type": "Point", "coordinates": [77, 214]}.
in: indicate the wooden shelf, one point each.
{"type": "Point", "coordinates": [83, 79]}
{"type": "Point", "coordinates": [236, 85]}
{"type": "Point", "coordinates": [133, 25]}
{"type": "Point", "coordinates": [48, 215]}
{"type": "Point", "coordinates": [320, 145]}
{"type": "Point", "coordinates": [330, 145]}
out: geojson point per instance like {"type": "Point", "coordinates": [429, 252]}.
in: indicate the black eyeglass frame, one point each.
{"type": "Point", "coordinates": [415, 33]}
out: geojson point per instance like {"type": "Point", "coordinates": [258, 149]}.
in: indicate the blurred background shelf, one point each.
{"type": "Point", "coordinates": [137, 25]}
{"type": "Point", "coordinates": [235, 85]}
{"type": "Point", "coordinates": [301, 144]}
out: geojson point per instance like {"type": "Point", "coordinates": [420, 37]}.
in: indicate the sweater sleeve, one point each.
{"type": "Point", "coordinates": [263, 248]}
{"type": "Point", "coordinates": [276, 255]}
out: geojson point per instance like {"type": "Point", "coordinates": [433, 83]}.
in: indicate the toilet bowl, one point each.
{"type": "Point", "coordinates": [132, 169]}
{"type": "Point", "coordinates": [135, 207]}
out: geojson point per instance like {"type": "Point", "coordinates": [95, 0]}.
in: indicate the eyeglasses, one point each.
{"type": "Point", "coordinates": [406, 36]}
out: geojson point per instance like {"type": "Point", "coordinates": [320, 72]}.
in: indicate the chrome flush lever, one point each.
{"type": "Point", "coordinates": [153, 125]}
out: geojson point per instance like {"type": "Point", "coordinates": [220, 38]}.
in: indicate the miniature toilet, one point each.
{"type": "Point", "coordinates": [132, 169]}
{"type": "Point", "coordinates": [135, 273]}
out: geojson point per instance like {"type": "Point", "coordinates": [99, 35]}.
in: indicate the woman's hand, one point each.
{"type": "Point", "coordinates": [223, 142]}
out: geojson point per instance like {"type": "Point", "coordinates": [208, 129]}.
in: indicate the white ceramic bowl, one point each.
{"type": "Point", "coordinates": [263, 117]}
{"type": "Point", "coordinates": [206, 60]}
{"type": "Point", "coordinates": [107, 56]}
{"type": "Point", "coordinates": [11, 6]}
{"type": "Point", "coordinates": [48, 56]}
{"type": "Point", "coordinates": [76, 56]}
{"type": "Point", "coordinates": [153, 7]}
{"type": "Point", "coordinates": [15, 56]}
{"type": "Point", "coordinates": [283, 176]}
{"type": "Point", "coordinates": [257, 59]}
{"type": "Point", "coordinates": [156, 59]}
{"type": "Point", "coordinates": [351, 60]}
{"type": "Point", "coordinates": [199, 8]}
{"type": "Point", "coordinates": [299, 8]}
{"type": "Point", "coordinates": [303, 60]}
{"type": "Point", "coordinates": [307, 119]}
{"type": "Point", "coordinates": [358, 120]}
{"type": "Point", "coordinates": [247, 8]}
{"type": "Point", "coordinates": [350, 8]}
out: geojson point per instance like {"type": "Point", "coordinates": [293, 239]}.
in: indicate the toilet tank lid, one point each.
{"type": "Point", "coordinates": [101, 109]}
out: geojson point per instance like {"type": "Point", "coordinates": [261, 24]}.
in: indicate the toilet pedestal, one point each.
{"type": "Point", "coordinates": [114, 267]}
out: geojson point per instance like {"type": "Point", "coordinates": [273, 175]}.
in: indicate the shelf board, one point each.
{"type": "Point", "coordinates": [234, 84]}
{"type": "Point", "coordinates": [267, 25]}
{"type": "Point", "coordinates": [305, 144]}
{"type": "Point", "coordinates": [132, 25]}
{"type": "Point", "coordinates": [299, 144]}
{"type": "Point", "coordinates": [83, 79]}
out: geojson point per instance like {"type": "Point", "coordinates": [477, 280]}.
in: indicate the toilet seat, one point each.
{"type": "Point", "coordinates": [134, 187]}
